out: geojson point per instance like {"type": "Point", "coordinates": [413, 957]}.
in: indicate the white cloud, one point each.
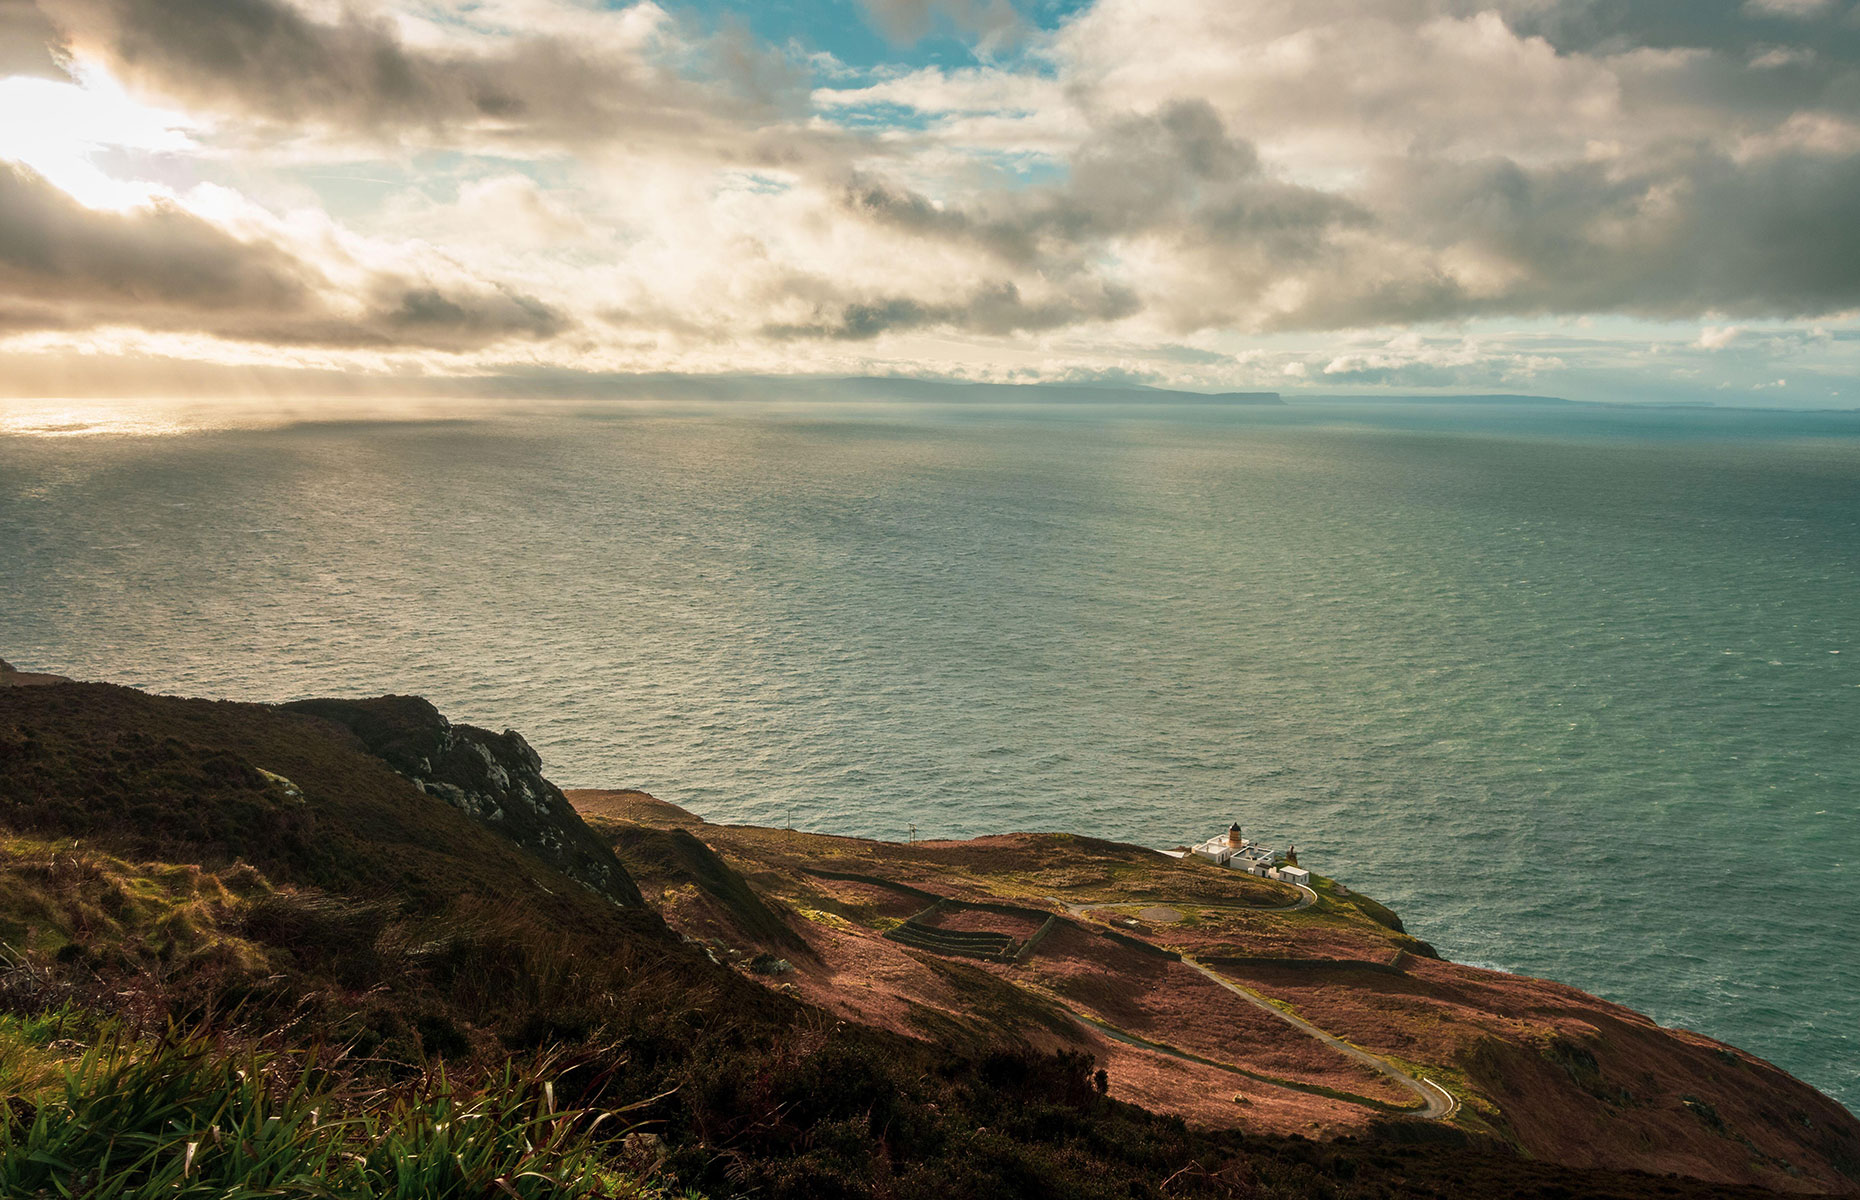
{"type": "Point", "coordinates": [615, 188]}
{"type": "Point", "coordinates": [1788, 8]}
{"type": "Point", "coordinates": [1412, 360]}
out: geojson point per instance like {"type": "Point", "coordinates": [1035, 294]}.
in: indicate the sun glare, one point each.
{"type": "Point", "coordinates": [63, 418]}
{"type": "Point", "coordinates": [56, 128]}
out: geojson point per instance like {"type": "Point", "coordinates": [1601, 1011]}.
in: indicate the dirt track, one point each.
{"type": "Point", "coordinates": [1437, 1102]}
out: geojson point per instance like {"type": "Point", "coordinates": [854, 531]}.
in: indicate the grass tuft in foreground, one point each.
{"type": "Point", "coordinates": [180, 1117]}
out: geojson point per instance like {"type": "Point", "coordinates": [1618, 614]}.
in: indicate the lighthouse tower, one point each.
{"type": "Point", "coordinates": [1234, 840]}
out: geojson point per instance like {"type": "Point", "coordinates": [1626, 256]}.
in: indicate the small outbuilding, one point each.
{"type": "Point", "coordinates": [1297, 875]}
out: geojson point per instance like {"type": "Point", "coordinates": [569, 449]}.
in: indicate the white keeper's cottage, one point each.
{"type": "Point", "coordinates": [1234, 850]}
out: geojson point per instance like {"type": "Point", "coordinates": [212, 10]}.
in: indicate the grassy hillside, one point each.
{"type": "Point", "coordinates": [217, 914]}
{"type": "Point", "coordinates": [1207, 994]}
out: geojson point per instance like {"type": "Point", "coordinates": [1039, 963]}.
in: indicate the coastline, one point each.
{"type": "Point", "coordinates": [318, 858]}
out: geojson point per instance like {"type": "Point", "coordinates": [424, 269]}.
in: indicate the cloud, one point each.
{"type": "Point", "coordinates": [1788, 8]}
{"type": "Point", "coordinates": [1688, 232]}
{"type": "Point", "coordinates": [1346, 163]}
{"type": "Point", "coordinates": [27, 40]}
{"type": "Point", "coordinates": [413, 313]}
{"type": "Point", "coordinates": [162, 267]}
{"type": "Point", "coordinates": [995, 310]}
{"type": "Point", "coordinates": [272, 64]}
{"type": "Point", "coordinates": [1412, 361]}
{"type": "Point", "coordinates": [1222, 242]}
{"type": "Point", "coordinates": [1766, 344]}
{"type": "Point", "coordinates": [53, 250]}
{"type": "Point", "coordinates": [619, 189]}
{"type": "Point", "coordinates": [1168, 185]}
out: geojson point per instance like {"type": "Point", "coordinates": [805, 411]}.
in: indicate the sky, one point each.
{"type": "Point", "coordinates": [1625, 200]}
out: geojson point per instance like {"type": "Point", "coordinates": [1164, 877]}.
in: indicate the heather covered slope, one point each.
{"type": "Point", "coordinates": [294, 795]}
{"type": "Point", "coordinates": [1546, 1069]}
{"type": "Point", "coordinates": [269, 878]}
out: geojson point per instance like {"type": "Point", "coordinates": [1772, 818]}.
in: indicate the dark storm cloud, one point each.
{"type": "Point", "coordinates": [63, 266]}
{"type": "Point", "coordinates": [269, 62]}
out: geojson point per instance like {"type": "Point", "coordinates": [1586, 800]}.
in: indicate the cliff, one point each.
{"type": "Point", "coordinates": [496, 779]}
{"type": "Point", "coordinates": [785, 1014]}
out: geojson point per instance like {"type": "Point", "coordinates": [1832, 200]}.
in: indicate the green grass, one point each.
{"type": "Point", "coordinates": [33, 1047]}
{"type": "Point", "coordinates": [177, 1116]}
{"type": "Point", "coordinates": [66, 896]}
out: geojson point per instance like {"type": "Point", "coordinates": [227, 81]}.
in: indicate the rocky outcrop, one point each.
{"type": "Point", "coordinates": [495, 778]}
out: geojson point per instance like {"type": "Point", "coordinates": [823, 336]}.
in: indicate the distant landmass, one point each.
{"type": "Point", "coordinates": [1479, 398]}
{"type": "Point", "coordinates": [842, 388]}
{"type": "Point", "coordinates": [1022, 393]}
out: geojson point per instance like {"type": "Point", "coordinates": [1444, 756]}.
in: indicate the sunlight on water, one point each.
{"type": "Point", "coordinates": [61, 418]}
{"type": "Point", "coordinates": [160, 417]}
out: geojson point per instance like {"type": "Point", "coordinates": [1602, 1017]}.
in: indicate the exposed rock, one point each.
{"type": "Point", "coordinates": [495, 778]}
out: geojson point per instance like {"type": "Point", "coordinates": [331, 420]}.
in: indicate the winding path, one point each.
{"type": "Point", "coordinates": [1437, 1103]}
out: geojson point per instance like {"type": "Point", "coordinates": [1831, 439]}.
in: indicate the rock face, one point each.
{"type": "Point", "coordinates": [494, 778]}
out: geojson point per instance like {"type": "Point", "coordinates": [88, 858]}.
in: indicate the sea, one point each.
{"type": "Point", "coordinates": [1573, 688]}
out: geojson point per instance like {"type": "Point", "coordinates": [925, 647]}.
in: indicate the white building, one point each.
{"type": "Point", "coordinates": [1222, 848]}
{"type": "Point", "coordinates": [1233, 850]}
